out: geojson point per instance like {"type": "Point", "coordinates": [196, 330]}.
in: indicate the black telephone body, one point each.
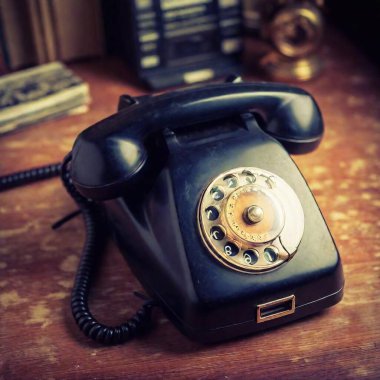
{"type": "Point", "coordinates": [208, 208]}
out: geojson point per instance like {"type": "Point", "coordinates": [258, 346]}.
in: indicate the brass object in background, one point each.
{"type": "Point", "coordinates": [292, 31]}
{"type": "Point", "coordinates": [250, 220]}
{"type": "Point", "coordinates": [296, 30]}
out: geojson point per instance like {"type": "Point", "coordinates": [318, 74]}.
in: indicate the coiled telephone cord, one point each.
{"type": "Point", "coordinates": [92, 248]}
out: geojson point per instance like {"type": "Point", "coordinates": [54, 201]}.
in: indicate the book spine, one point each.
{"type": "Point", "coordinates": [38, 35]}
{"type": "Point", "coordinates": [17, 33]}
{"type": "Point", "coordinates": [4, 56]}
{"type": "Point", "coordinates": [78, 27]}
{"type": "Point", "coordinates": [49, 30]}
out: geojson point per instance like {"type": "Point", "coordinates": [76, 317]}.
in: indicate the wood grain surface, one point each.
{"type": "Point", "coordinates": [38, 338]}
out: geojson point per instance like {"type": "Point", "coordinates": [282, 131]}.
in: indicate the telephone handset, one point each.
{"type": "Point", "coordinates": [109, 154]}
{"type": "Point", "coordinates": [209, 209]}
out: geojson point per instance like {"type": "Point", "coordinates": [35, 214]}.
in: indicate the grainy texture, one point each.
{"type": "Point", "coordinates": [38, 338]}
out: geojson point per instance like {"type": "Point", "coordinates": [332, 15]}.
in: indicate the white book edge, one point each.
{"type": "Point", "coordinates": [64, 109]}
{"type": "Point", "coordinates": [46, 102]}
{"type": "Point", "coordinates": [41, 69]}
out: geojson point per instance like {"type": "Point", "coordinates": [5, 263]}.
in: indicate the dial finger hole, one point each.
{"type": "Point", "coordinates": [217, 232]}
{"type": "Point", "coordinates": [231, 249]}
{"type": "Point", "coordinates": [271, 254]}
{"type": "Point", "coordinates": [250, 257]}
{"type": "Point", "coordinates": [217, 193]}
{"type": "Point", "coordinates": [231, 181]}
{"type": "Point", "coordinates": [212, 213]}
{"type": "Point", "coordinates": [249, 177]}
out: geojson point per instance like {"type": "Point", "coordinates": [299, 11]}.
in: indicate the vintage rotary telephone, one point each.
{"type": "Point", "coordinates": [208, 208]}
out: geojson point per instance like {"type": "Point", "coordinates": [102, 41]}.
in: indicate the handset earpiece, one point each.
{"type": "Point", "coordinates": [111, 154]}
{"type": "Point", "coordinates": [297, 124]}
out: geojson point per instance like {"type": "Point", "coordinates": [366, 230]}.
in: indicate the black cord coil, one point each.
{"type": "Point", "coordinates": [28, 176]}
{"type": "Point", "coordinates": [79, 299]}
{"type": "Point", "coordinates": [93, 246]}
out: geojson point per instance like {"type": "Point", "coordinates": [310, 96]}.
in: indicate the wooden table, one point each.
{"type": "Point", "coordinates": [38, 337]}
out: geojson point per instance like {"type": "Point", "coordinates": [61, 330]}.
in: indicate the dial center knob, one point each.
{"type": "Point", "coordinates": [253, 214]}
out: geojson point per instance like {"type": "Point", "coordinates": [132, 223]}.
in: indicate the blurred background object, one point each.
{"type": "Point", "coordinates": [40, 93]}
{"type": "Point", "coordinates": [170, 42]}
{"type": "Point", "coordinates": [40, 31]}
{"type": "Point", "coordinates": [165, 42]}
{"type": "Point", "coordinates": [292, 31]}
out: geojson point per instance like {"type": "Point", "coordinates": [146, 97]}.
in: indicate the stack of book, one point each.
{"type": "Point", "coordinates": [40, 93]}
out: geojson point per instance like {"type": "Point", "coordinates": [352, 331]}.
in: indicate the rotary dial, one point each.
{"type": "Point", "coordinates": [250, 220]}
